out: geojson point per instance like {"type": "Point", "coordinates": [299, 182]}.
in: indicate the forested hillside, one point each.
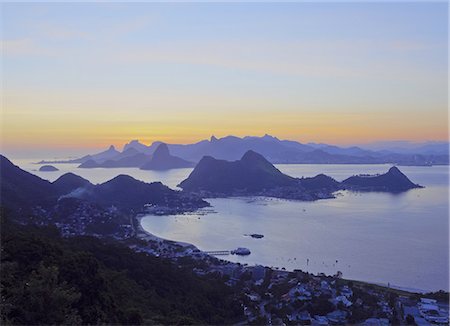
{"type": "Point", "coordinates": [47, 279]}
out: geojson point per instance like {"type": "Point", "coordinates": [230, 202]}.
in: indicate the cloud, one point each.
{"type": "Point", "coordinates": [47, 39]}
{"type": "Point", "coordinates": [321, 59]}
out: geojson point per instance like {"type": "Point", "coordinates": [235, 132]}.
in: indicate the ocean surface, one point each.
{"type": "Point", "coordinates": [396, 239]}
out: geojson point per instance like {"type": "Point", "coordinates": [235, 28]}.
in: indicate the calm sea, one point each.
{"type": "Point", "coordinates": [397, 239]}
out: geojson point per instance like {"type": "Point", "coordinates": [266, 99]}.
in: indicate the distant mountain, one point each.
{"type": "Point", "coordinates": [351, 151]}
{"type": "Point", "coordinates": [232, 148]}
{"type": "Point", "coordinates": [89, 164]}
{"type": "Point", "coordinates": [253, 175]}
{"type": "Point", "coordinates": [136, 160]}
{"type": "Point", "coordinates": [433, 148]}
{"type": "Point", "coordinates": [99, 157]}
{"type": "Point", "coordinates": [407, 147]}
{"type": "Point", "coordinates": [162, 160]}
{"type": "Point", "coordinates": [274, 150]}
{"type": "Point", "coordinates": [136, 145]}
{"type": "Point", "coordinates": [130, 152]}
{"type": "Point", "coordinates": [393, 181]}
{"type": "Point", "coordinates": [110, 153]}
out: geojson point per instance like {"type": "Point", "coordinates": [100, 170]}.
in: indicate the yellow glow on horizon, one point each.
{"type": "Point", "coordinates": [71, 130]}
{"type": "Point", "coordinates": [62, 120]}
{"type": "Point", "coordinates": [71, 83]}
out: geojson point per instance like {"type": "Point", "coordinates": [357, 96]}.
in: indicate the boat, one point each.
{"type": "Point", "coordinates": [241, 251]}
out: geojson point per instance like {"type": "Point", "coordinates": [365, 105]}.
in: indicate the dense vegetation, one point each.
{"type": "Point", "coordinates": [47, 279]}
{"type": "Point", "coordinates": [128, 193]}
{"type": "Point", "coordinates": [22, 191]}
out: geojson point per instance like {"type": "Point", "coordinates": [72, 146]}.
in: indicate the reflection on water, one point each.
{"type": "Point", "coordinates": [401, 239]}
{"type": "Point", "coordinates": [378, 237]}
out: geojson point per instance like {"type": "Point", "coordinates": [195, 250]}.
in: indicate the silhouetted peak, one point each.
{"type": "Point", "coordinates": [393, 180]}
{"type": "Point", "coordinates": [320, 181]}
{"type": "Point", "coordinates": [252, 172]}
{"type": "Point", "coordinates": [231, 138]}
{"type": "Point", "coordinates": [162, 150]}
{"type": "Point", "coordinates": [156, 143]}
{"type": "Point", "coordinates": [206, 158]}
{"type": "Point", "coordinates": [269, 137]}
{"type": "Point", "coordinates": [251, 156]}
{"type": "Point", "coordinates": [321, 176]}
{"type": "Point", "coordinates": [395, 170]}
{"type": "Point", "coordinates": [5, 162]}
{"type": "Point", "coordinates": [213, 139]}
{"type": "Point", "coordinates": [134, 144]}
{"type": "Point", "coordinates": [69, 176]}
{"type": "Point", "coordinates": [121, 179]}
{"type": "Point", "coordinates": [69, 182]}
{"type": "Point", "coordinates": [111, 148]}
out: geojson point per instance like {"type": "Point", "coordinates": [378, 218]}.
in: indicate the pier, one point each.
{"type": "Point", "coordinates": [218, 252]}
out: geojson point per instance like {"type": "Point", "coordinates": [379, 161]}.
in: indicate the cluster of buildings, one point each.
{"type": "Point", "coordinates": [75, 217]}
{"type": "Point", "coordinates": [300, 298]}
{"type": "Point", "coordinates": [268, 296]}
{"type": "Point", "coordinates": [425, 311]}
{"type": "Point", "coordinates": [186, 204]}
{"type": "Point", "coordinates": [279, 297]}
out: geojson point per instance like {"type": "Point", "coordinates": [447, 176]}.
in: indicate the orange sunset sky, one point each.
{"type": "Point", "coordinates": [87, 75]}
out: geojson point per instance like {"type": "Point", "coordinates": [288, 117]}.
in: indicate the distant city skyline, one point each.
{"type": "Point", "coordinates": [87, 75]}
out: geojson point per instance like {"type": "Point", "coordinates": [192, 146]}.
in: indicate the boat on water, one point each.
{"type": "Point", "coordinates": [241, 251]}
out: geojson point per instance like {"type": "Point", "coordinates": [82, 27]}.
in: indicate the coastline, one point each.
{"type": "Point", "coordinates": [142, 234]}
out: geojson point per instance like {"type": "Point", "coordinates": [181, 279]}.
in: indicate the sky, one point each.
{"type": "Point", "coordinates": [79, 76]}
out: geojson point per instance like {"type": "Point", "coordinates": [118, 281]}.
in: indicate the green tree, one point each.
{"type": "Point", "coordinates": [41, 299]}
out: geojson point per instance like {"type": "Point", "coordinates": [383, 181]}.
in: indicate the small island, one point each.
{"type": "Point", "coordinates": [48, 168]}
{"type": "Point", "coordinates": [255, 235]}
{"type": "Point", "coordinates": [392, 181]}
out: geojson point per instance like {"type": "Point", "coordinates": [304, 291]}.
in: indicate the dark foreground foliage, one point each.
{"type": "Point", "coordinates": [47, 279]}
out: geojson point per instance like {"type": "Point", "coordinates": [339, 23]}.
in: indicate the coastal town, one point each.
{"type": "Point", "coordinates": [275, 296]}
{"type": "Point", "coordinates": [270, 296]}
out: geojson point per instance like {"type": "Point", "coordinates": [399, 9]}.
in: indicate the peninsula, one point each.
{"type": "Point", "coordinates": [253, 175]}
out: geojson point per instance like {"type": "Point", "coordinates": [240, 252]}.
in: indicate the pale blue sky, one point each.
{"type": "Point", "coordinates": [305, 71]}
